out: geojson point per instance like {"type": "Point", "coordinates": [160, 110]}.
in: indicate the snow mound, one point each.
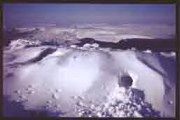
{"type": "Point", "coordinates": [57, 78]}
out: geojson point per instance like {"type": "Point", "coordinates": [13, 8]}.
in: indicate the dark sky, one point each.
{"type": "Point", "coordinates": [16, 15]}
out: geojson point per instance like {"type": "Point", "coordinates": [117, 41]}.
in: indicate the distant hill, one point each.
{"type": "Point", "coordinates": [138, 43]}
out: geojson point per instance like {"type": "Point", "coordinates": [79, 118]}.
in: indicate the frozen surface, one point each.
{"type": "Point", "coordinates": [45, 71]}
{"type": "Point", "coordinates": [69, 81]}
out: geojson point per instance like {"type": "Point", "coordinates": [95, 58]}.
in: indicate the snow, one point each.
{"type": "Point", "coordinates": [135, 78]}
{"type": "Point", "coordinates": [77, 72]}
{"type": "Point", "coordinates": [95, 45]}
{"type": "Point", "coordinates": [17, 44]}
{"type": "Point", "coordinates": [136, 114]}
{"type": "Point", "coordinates": [87, 45]}
{"type": "Point", "coordinates": [24, 55]}
{"type": "Point", "coordinates": [144, 83]}
{"type": "Point", "coordinates": [75, 79]}
{"type": "Point", "coordinates": [147, 51]}
{"type": "Point", "coordinates": [73, 46]}
{"type": "Point", "coordinates": [168, 54]}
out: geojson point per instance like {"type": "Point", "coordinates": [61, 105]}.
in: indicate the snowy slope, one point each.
{"type": "Point", "coordinates": [58, 79]}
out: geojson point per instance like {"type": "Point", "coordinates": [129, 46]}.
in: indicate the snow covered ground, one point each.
{"type": "Point", "coordinates": [82, 81]}
{"type": "Point", "coordinates": [87, 81]}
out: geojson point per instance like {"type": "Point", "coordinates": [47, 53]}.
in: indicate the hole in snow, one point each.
{"type": "Point", "coordinates": [125, 81]}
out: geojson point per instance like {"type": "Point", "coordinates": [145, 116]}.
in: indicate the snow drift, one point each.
{"type": "Point", "coordinates": [54, 81]}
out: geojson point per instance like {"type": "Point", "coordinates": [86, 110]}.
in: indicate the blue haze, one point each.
{"type": "Point", "coordinates": [18, 15]}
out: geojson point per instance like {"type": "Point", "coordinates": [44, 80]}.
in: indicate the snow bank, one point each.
{"type": "Point", "coordinates": [74, 73]}
{"type": "Point", "coordinates": [56, 79]}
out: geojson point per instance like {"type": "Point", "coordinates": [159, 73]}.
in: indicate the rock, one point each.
{"type": "Point", "coordinates": [58, 90]}
{"type": "Point", "coordinates": [49, 102]}
{"type": "Point", "coordinates": [79, 103]}
{"type": "Point", "coordinates": [17, 91]}
{"type": "Point", "coordinates": [30, 86]}
{"type": "Point", "coordinates": [56, 106]}
{"type": "Point", "coordinates": [22, 98]}
{"type": "Point", "coordinates": [75, 97]}
{"type": "Point", "coordinates": [55, 96]}
{"type": "Point", "coordinates": [31, 92]}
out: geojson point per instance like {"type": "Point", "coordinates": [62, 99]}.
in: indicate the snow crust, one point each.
{"type": "Point", "coordinates": [68, 72]}
{"type": "Point", "coordinates": [83, 81]}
